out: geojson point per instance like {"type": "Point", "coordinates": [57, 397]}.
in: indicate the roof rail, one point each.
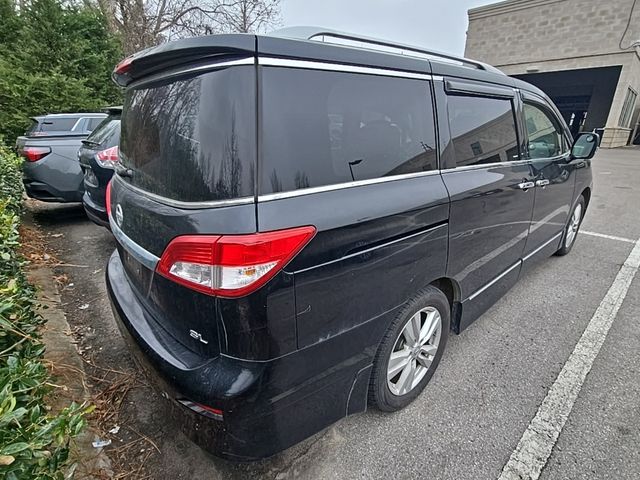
{"type": "Point", "coordinates": [310, 33]}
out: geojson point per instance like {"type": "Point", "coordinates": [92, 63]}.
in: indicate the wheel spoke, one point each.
{"type": "Point", "coordinates": [430, 324]}
{"type": "Point", "coordinates": [409, 332]}
{"type": "Point", "coordinates": [406, 378]}
{"type": "Point", "coordinates": [397, 362]}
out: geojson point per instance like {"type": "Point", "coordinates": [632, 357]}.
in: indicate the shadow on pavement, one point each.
{"type": "Point", "coordinates": [56, 214]}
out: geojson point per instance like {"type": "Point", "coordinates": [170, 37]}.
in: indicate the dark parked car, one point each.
{"type": "Point", "coordinates": [98, 156]}
{"type": "Point", "coordinates": [50, 148]}
{"type": "Point", "coordinates": [300, 225]}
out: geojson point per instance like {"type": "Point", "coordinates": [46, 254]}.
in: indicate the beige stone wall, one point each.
{"type": "Point", "coordinates": [521, 36]}
{"type": "Point", "coordinates": [518, 31]}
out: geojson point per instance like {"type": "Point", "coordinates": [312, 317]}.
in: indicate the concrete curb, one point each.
{"type": "Point", "coordinates": [68, 369]}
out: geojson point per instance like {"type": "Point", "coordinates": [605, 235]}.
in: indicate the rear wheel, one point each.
{"type": "Point", "coordinates": [572, 228]}
{"type": "Point", "coordinates": [410, 350]}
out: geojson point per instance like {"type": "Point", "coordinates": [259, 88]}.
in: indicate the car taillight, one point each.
{"type": "Point", "coordinates": [33, 154]}
{"type": "Point", "coordinates": [107, 198]}
{"type": "Point", "coordinates": [231, 265]}
{"type": "Point", "coordinates": [123, 66]}
{"type": "Point", "coordinates": [108, 158]}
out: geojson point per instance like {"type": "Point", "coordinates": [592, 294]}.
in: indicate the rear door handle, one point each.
{"type": "Point", "coordinates": [526, 185]}
{"type": "Point", "coordinates": [542, 183]}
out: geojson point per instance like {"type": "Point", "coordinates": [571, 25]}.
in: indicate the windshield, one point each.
{"type": "Point", "coordinates": [192, 139]}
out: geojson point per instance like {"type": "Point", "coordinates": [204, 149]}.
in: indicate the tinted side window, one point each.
{"type": "Point", "coordinates": [545, 136]}
{"type": "Point", "coordinates": [483, 130]}
{"type": "Point", "coordinates": [323, 128]}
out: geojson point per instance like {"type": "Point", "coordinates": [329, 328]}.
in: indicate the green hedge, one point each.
{"type": "Point", "coordinates": [34, 444]}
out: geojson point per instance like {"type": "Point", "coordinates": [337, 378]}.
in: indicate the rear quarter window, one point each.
{"type": "Point", "coordinates": [324, 128]}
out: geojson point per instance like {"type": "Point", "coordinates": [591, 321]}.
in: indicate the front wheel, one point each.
{"type": "Point", "coordinates": [410, 350]}
{"type": "Point", "coordinates": [572, 228]}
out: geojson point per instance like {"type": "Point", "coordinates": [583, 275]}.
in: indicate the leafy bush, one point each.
{"type": "Point", "coordinates": [34, 444]}
{"type": "Point", "coordinates": [55, 57]}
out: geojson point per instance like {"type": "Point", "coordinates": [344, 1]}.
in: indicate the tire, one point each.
{"type": "Point", "coordinates": [395, 392]}
{"type": "Point", "coordinates": [572, 228]}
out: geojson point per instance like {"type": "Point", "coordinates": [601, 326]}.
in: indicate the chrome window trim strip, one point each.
{"type": "Point", "coordinates": [486, 165]}
{"type": "Point", "coordinates": [145, 257]}
{"type": "Point", "coordinates": [339, 67]}
{"type": "Point", "coordinates": [542, 246]}
{"type": "Point", "coordinates": [186, 205]}
{"type": "Point", "coordinates": [341, 186]}
{"type": "Point", "coordinates": [495, 280]}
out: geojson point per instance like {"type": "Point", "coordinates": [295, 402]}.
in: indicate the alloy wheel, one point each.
{"type": "Point", "coordinates": [574, 225]}
{"type": "Point", "coordinates": [414, 350]}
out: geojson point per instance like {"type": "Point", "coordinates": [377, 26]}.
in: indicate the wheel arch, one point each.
{"type": "Point", "coordinates": [586, 193]}
{"type": "Point", "coordinates": [451, 289]}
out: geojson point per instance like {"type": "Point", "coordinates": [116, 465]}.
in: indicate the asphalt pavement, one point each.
{"type": "Point", "coordinates": [488, 388]}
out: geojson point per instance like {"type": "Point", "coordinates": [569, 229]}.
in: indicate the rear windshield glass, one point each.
{"type": "Point", "coordinates": [107, 134]}
{"type": "Point", "coordinates": [325, 128]}
{"type": "Point", "coordinates": [53, 124]}
{"type": "Point", "coordinates": [192, 139]}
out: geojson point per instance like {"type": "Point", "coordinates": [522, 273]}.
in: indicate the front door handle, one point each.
{"type": "Point", "coordinates": [526, 185]}
{"type": "Point", "coordinates": [542, 183]}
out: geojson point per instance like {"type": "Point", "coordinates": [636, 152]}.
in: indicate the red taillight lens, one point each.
{"type": "Point", "coordinates": [108, 158]}
{"type": "Point", "coordinates": [231, 265]}
{"type": "Point", "coordinates": [107, 198]}
{"type": "Point", "coordinates": [123, 66]}
{"type": "Point", "coordinates": [33, 154]}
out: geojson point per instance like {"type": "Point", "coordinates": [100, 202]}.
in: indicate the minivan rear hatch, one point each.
{"type": "Point", "coordinates": [187, 166]}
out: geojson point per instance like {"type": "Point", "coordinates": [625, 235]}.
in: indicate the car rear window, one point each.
{"type": "Point", "coordinates": [192, 139]}
{"type": "Point", "coordinates": [107, 134]}
{"type": "Point", "coordinates": [324, 128]}
{"type": "Point", "coordinates": [57, 124]}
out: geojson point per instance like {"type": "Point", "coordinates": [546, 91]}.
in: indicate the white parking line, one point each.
{"type": "Point", "coordinates": [609, 237]}
{"type": "Point", "coordinates": [538, 440]}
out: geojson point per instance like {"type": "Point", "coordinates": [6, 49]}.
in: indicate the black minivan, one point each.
{"type": "Point", "coordinates": [300, 224]}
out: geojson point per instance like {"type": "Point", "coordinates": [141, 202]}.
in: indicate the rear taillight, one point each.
{"type": "Point", "coordinates": [123, 66]}
{"type": "Point", "coordinates": [120, 74]}
{"type": "Point", "coordinates": [231, 265]}
{"type": "Point", "coordinates": [107, 198]}
{"type": "Point", "coordinates": [33, 154]}
{"type": "Point", "coordinates": [108, 158]}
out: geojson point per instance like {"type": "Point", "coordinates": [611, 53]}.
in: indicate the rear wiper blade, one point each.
{"type": "Point", "coordinates": [123, 171]}
{"type": "Point", "coordinates": [90, 142]}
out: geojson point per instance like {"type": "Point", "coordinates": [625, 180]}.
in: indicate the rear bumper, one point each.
{"type": "Point", "coordinates": [267, 405]}
{"type": "Point", "coordinates": [53, 179]}
{"type": "Point", "coordinates": [96, 213]}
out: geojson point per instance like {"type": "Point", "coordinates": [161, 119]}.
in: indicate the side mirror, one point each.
{"type": "Point", "coordinates": [585, 146]}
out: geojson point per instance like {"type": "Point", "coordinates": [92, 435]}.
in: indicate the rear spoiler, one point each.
{"type": "Point", "coordinates": [182, 52]}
